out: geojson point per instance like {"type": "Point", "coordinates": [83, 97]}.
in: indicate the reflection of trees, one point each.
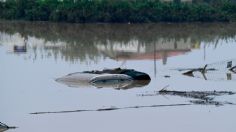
{"type": "Point", "coordinates": [81, 39]}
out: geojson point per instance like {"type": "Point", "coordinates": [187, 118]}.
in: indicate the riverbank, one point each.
{"type": "Point", "coordinates": [124, 11]}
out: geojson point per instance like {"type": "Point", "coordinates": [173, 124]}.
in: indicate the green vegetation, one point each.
{"type": "Point", "coordinates": [121, 11]}
{"type": "Point", "coordinates": [81, 41]}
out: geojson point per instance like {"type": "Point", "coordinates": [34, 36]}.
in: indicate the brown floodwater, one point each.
{"type": "Point", "coordinates": [33, 55]}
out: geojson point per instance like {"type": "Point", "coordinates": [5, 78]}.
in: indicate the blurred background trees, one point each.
{"type": "Point", "coordinates": [133, 11]}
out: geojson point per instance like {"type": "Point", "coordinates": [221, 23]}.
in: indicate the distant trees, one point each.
{"type": "Point", "coordinates": [82, 11]}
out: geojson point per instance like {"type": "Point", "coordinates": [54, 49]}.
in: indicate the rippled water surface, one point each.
{"type": "Point", "coordinates": [34, 55]}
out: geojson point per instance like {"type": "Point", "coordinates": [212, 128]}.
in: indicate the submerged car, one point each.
{"type": "Point", "coordinates": [109, 78]}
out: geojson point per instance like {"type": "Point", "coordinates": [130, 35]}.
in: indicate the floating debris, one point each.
{"type": "Point", "coordinates": [109, 78]}
{"type": "Point", "coordinates": [210, 102]}
{"type": "Point", "coordinates": [110, 109]}
{"type": "Point", "coordinates": [202, 97]}
{"type": "Point", "coordinates": [224, 70]}
{"type": "Point", "coordinates": [167, 76]}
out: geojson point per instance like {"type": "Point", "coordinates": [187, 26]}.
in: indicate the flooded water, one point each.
{"type": "Point", "coordinates": [34, 55]}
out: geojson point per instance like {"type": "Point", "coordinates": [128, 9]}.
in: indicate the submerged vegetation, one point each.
{"type": "Point", "coordinates": [134, 11]}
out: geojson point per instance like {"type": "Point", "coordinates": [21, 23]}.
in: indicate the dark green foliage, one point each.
{"type": "Point", "coordinates": [121, 11]}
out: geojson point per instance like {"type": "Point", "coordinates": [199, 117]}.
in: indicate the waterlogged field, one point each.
{"type": "Point", "coordinates": [34, 55]}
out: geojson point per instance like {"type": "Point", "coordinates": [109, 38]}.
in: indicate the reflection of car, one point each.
{"type": "Point", "coordinates": [19, 49]}
{"type": "Point", "coordinates": [109, 78]}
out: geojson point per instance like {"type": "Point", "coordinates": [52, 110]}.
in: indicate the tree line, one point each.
{"type": "Point", "coordinates": [118, 11]}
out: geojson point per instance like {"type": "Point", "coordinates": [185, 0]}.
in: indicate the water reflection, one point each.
{"type": "Point", "coordinates": [60, 49]}
{"type": "Point", "coordinates": [159, 50]}
{"type": "Point", "coordinates": [21, 48]}
{"type": "Point", "coordinates": [121, 42]}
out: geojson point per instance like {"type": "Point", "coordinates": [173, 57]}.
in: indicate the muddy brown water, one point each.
{"type": "Point", "coordinates": [34, 54]}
